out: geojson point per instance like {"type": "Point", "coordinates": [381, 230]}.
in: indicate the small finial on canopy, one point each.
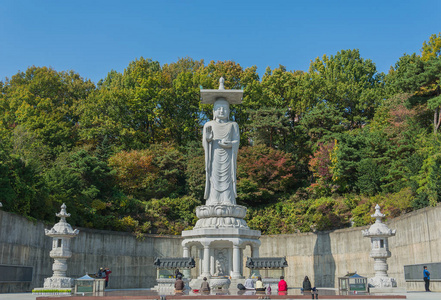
{"type": "Point", "coordinates": [221, 83]}
{"type": "Point", "coordinates": [232, 96]}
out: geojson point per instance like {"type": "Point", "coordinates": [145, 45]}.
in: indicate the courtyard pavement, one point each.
{"type": "Point", "coordinates": [409, 295]}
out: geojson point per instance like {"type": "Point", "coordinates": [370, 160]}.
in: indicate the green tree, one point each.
{"type": "Point", "coordinates": [421, 76]}
{"type": "Point", "coordinates": [22, 188]}
{"type": "Point", "coordinates": [43, 102]}
{"type": "Point", "coordinates": [432, 48]}
{"type": "Point", "coordinates": [178, 105]}
{"type": "Point", "coordinates": [85, 184]}
{"type": "Point", "coordinates": [151, 173]}
{"type": "Point", "coordinates": [277, 86]}
{"type": "Point", "coordinates": [322, 123]}
{"type": "Point", "coordinates": [195, 169]}
{"type": "Point", "coordinates": [170, 215]}
{"type": "Point", "coordinates": [124, 109]}
{"type": "Point", "coordinates": [429, 176]}
{"type": "Point", "coordinates": [270, 127]}
{"type": "Point", "coordinates": [346, 81]}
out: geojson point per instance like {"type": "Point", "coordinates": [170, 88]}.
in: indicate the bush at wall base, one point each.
{"type": "Point", "coordinates": [51, 291]}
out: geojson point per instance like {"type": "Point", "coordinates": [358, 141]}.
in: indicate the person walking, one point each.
{"type": "Point", "coordinates": [426, 277]}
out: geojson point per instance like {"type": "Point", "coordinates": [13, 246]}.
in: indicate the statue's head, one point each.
{"type": "Point", "coordinates": [221, 109]}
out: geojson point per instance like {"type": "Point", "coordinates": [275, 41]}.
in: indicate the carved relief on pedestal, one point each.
{"type": "Point", "coordinates": [58, 282]}
{"type": "Point", "coordinates": [220, 215]}
{"type": "Point", "coordinates": [382, 282]}
{"type": "Point", "coordinates": [221, 210]}
{"type": "Point", "coordinates": [221, 265]}
{"type": "Point", "coordinates": [221, 222]}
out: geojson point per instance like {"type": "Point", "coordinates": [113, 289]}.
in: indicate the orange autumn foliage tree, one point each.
{"type": "Point", "coordinates": [264, 174]}
{"type": "Point", "coordinates": [135, 171]}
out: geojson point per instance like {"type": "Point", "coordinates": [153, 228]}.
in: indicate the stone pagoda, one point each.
{"type": "Point", "coordinates": [379, 234]}
{"type": "Point", "coordinates": [221, 234]}
{"type": "Point", "coordinates": [61, 234]}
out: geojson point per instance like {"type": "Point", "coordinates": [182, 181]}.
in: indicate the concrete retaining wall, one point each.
{"type": "Point", "coordinates": [323, 256]}
{"type": "Point", "coordinates": [23, 243]}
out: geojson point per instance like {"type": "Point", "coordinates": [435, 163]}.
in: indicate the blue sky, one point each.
{"type": "Point", "coordinates": [93, 37]}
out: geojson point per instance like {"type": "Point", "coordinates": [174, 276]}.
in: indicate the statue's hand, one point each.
{"type": "Point", "coordinates": [209, 134]}
{"type": "Point", "coordinates": [225, 144]}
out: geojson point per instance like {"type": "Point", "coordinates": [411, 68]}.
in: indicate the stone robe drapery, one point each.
{"type": "Point", "coordinates": [221, 163]}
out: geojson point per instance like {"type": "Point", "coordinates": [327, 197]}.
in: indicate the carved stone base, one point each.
{"type": "Point", "coordinates": [164, 284]}
{"type": "Point", "coordinates": [387, 290]}
{"type": "Point", "coordinates": [219, 283]}
{"type": "Point", "coordinates": [221, 222]}
{"type": "Point", "coordinates": [221, 216]}
{"type": "Point", "coordinates": [58, 282]}
{"type": "Point", "coordinates": [221, 210]}
{"type": "Point", "coordinates": [382, 282]}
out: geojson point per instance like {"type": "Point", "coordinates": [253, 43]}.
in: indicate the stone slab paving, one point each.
{"type": "Point", "coordinates": [148, 294]}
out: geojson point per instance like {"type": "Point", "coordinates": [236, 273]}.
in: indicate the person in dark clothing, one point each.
{"type": "Point", "coordinates": [177, 273]}
{"type": "Point", "coordinates": [307, 288]}
{"type": "Point", "coordinates": [426, 277]}
{"type": "Point", "coordinates": [205, 287]}
{"type": "Point", "coordinates": [100, 273]}
{"type": "Point", "coordinates": [179, 284]}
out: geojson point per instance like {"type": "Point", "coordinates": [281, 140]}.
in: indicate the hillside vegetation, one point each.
{"type": "Point", "coordinates": [318, 149]}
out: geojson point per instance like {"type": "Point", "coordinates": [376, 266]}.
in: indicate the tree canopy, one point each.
{"type": "Point", "coordinates": [318, 149]}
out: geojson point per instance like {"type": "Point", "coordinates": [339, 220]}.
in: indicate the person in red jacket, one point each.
{"type": "Point", "coordinates": [283, 287]}
{"type": "Point", "coordinates": [106, 276]}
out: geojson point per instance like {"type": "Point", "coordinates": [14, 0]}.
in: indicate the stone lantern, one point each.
{"type": "Point", "coordinates": [379, 234]}
{"type": "Point", "coordinates": [61, 234]}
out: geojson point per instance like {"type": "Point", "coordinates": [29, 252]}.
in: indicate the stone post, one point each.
{"type": "Point", "coordinates": [379, 234]}
{"type": "Point", "coordinates": [255, 254]}
{"type": "Point", "coordinates": [206, 262]}
{"type": "Point", "coordinates": [186, 253]}
{"type": "Point", "coordinates": [61, 234]}
{"type": "Point", "coordinates": [236, 262]}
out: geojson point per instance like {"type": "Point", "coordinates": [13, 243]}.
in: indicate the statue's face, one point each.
{"type": "Point", "coordinates": [221, 110]}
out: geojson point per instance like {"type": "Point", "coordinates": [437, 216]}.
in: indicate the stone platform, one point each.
{"type": "Point", "coordinates": [229, 294]}
{"type": "Point", "coordinates": [387, 290]}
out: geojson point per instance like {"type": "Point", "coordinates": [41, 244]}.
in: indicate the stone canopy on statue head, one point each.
{"type": "Point", "coordinates": [232, 96]}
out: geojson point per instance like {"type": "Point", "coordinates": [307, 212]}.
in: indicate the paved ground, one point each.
{"type": "Point", "coordinates": [409, 295]}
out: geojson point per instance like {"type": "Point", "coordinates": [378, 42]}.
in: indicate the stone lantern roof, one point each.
{"type": "Point", "coordinates": [378, 229]}
{"type": "Point", "coordinates": [174, 263]}
{"type": "Point", "coordinates": [266, 262]}
{"type": "Point", "coordinates": [62, 228]}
